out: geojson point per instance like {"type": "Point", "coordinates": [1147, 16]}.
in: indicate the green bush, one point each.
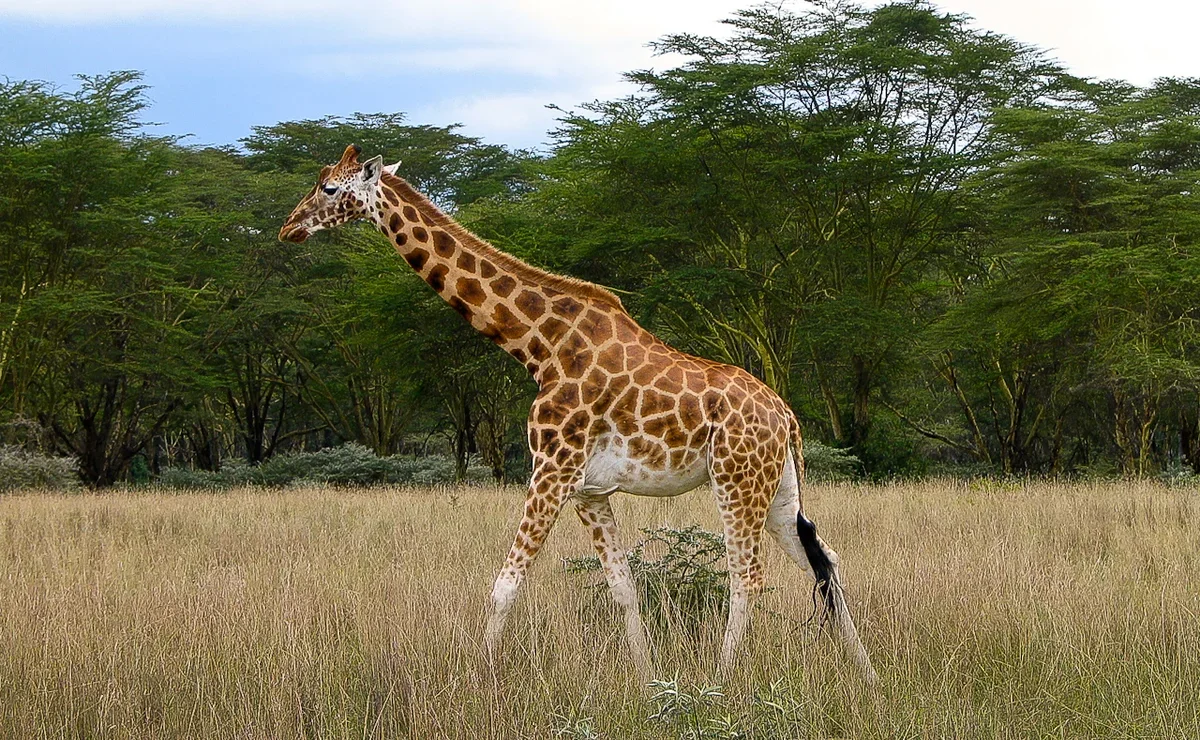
{"type": "Point", "coordinates": [890, 452]}
{"type": "Point", "coordinates": [828, 464]}
{"type": "Point", "coordinates": [20, 468]}
{"type": "Point", "coordinates": [348, 465]}
{"type": "Point", "coordinates": [683, 587]}
{"type": "Point", "coordinates": [188, 478]}
{"type": "Point", "coordinates": [704, 713]}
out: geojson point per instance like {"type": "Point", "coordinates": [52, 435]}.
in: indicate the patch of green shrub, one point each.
{"type": "Point", "coordinates": [829, 464]}
{"type": "Point", "coordinates": [348, 465]}
{"type": "Point", "coordinates": [677, 573]}
{"type": "Point", "coordinates": [20, 469]}
{"type": "Point", "coordinates": [180, 477]}
{"type": "Point", "coordinates": [704, 713]}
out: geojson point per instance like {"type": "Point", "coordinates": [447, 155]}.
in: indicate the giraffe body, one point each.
{"type": "Point", "coordinates": [610, 468]}
{"type": "Point", "coordinates": [617, 409]}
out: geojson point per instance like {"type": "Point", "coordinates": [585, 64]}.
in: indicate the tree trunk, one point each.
{"type": "Point", "coordinates": [861, 427]}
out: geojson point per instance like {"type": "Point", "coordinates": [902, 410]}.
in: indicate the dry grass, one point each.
{"type": "Point", "coordinates": [1047, 610]}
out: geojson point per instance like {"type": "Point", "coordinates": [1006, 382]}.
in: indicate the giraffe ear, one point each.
{"type": "Point", "coordinates": [391, 168]}
{"type": "Point", "coordinates": [371, 169]}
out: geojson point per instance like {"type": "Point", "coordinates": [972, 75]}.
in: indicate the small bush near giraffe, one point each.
{"type": "Point", "coordinates": [1016, 610]}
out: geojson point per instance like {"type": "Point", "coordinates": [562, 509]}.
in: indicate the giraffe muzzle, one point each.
{"type": "Point", "coordinates": [293, 233]}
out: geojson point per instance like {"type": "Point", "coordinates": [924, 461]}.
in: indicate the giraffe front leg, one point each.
{"type": "Point", "coordinates": [546, 496]}
{"type": "Point", "coordinates": [596, 514]}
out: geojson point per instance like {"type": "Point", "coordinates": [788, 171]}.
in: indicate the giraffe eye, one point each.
{"type": "Point", "coordinates": [330, 189]}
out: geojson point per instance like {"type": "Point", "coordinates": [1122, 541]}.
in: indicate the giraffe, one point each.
{"type": "Point", "coordinates": [616, 410]}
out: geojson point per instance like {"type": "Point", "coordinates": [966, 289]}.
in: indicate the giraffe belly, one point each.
{"type": "Point", "coordinates": [610, 466]}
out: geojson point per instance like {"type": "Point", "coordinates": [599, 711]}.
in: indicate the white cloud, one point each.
{"type": "Point", "coordinates": [509, 118]}
{"type": "Point", "coordinates": [1099, 38]}
{"type": "Point", "coordinates": [520, 119]}
{"type": "Point", "coordinates": [522, 60]}
{"type": "Point", "coordinates": [570, 51]}
{"type": "Point", "coordinates": [1106, 38]}
{"type": "Point", "coordinates": [514, 22]}
{"type": "Point", "coordinates": [576, 46]}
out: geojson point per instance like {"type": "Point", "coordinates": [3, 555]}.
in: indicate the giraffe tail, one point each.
{"type": "Point", "coordinates": [824, 564]}
{"type": "Point", "coordinates": [828, 585]}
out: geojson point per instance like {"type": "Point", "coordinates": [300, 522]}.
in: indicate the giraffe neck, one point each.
{"type": "Point", "coordinates": [529, 313]}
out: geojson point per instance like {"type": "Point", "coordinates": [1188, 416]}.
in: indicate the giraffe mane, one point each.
{"type": "Point", "coordinates": [517, 266]}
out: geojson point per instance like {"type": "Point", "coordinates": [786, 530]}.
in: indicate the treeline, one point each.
{"type": "Point", "coordinates": [947, 253]}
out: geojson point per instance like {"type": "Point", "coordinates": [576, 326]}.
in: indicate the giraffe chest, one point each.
{"type": "Point", "coordinates": [643, 468]}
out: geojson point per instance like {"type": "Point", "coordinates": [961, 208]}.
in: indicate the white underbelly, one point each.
{"type": "Point", "coordinates": [609, 468]}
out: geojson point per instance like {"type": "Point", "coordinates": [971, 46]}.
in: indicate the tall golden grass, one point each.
{"type": "Point", "coordinates": [990, 611]}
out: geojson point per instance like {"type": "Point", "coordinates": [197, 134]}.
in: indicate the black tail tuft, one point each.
{"type": "Point", "coordinates": [821, 564]}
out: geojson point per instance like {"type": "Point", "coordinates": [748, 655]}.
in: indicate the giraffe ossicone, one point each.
{"type": "Point", "coordinates": [617, 409]}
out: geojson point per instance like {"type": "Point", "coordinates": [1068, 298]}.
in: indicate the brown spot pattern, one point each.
{"type": "Point", "coordinates": [470, 291]}
{"type": "Point", "coordinates": [532, 304]}
{"type": "Point", "coordinates": [437, 277]}
{"type": "Point", "coordinates": [443, 243]}
{"type": "Point", "coordinates": [506, 322]}
{"type": "Point", "coordinates": [503, 286]}
{"type": "Point", "coordinates": [417, 258]}
{"type": "Point", "coordinates": [553, 330]}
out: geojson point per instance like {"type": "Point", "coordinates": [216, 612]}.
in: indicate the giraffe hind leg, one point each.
{"type": "Point", "coordinates": [797, 536]}
{"type": "Point", "coordinates": [743, 508]}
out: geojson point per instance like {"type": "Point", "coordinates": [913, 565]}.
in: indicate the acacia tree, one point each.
{"type": "Point", "coordinates": [789, 199]}
{"type": "Point", "coordinates": [94, 306]}
{"type": "Point", "coordinates": [385, 354]}
{"type": "Point", "coordinates": [1086, 313]}
{"type": "Point", "coordinates": [241, 397]}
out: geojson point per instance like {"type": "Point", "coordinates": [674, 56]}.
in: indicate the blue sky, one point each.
{"type": "Point", "coordinates": [218, 67]}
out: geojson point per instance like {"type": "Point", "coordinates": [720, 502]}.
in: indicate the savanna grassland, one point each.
{"type": "Point", "coordinates": [990, 611]}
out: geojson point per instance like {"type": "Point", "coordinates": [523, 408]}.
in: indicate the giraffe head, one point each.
{"type": "Point", "coordinates": [342, 194]}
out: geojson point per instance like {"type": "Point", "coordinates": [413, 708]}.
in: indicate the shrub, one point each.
{"type": "Point", "coordinates": [348, 465]}
{"type": "Point", "coordinates": [20, 468]}
{"type": "Point", "coordinates": [828, 464]}
{"type": "Point", "coordinates": [681, 588]}
{"type": "Point", "coordinates": [188, 478]}
{"type": "Point", "coordinates": [693, 713]}
{"type": "Point", "coordinates": [703, 713]}
{"type": "Point", "coordinates": [1178, 474]}
{"type": "Point", "coordinates": [890, 451]}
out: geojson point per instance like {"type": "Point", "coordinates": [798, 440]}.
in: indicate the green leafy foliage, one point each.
{"type": "Point", "coordinates": [828, 464]}
{"type": "Point", "coordinates": [705, 712]}
{"type": "Point", "coordinates": [942, 250]}
{"type": "Point", "coordinates": [678, 576]}
{"type": "Point", "coordinates": [689, 711]}
{"type": "Point", "coordinates": [347, 465]}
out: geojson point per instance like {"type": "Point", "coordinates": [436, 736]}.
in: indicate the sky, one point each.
{"type": "Point", "coordinates": [216, 68]}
